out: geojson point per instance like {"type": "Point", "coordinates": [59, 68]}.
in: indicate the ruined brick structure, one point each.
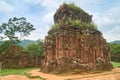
{"type": "Point", "coordinates": [14, 57]}
{"type": "Point", "coordinates": [66, 11]}
{"type": "Point", "coordinates": [69, 47]}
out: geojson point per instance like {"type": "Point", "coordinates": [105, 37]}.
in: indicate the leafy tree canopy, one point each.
{"type": "Point", "coordinates": [4, 45]}
{"type": "Point", "coordinates": [35, 49]}
{"type": "Point", "coordinates": [115, 52]}
{"type": "Point", "coordinates": [16, 29]}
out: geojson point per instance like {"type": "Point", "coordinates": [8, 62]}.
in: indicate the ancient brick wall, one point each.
{"type": "Point", "coordinates": [14, 57]}
{"type": "Point", "coordinates": [65, 11]}
{"type": "Point", "coordinates": [73, 48]}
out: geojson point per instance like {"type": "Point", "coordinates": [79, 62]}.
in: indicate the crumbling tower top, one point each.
{"type": "Point", "coordinates": [71, 11]}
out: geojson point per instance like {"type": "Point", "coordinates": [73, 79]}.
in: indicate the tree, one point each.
{"type": "Point", "coordinates": [35, 49]}
{"type": "Point", "coordinates": [115, 52]}
{"type": "Point", "coordinates": [4, 45]}
{"type": "Point", "coordinates": [16, 29]}
{"type": "Point", "coordinates": [40, 47]}
{"type": "Point", "coordinates": [32, 49]}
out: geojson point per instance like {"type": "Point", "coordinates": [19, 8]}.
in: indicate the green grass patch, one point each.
{"type": "Point", "coordinates": [4, 72]}
{"type": "Point", "coordinates": [116, 64]}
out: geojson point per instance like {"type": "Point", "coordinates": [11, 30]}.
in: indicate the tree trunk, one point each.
{"type": "Point", "coordinates": [36, 61]}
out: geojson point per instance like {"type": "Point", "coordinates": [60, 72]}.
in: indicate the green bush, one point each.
{"type": "Point", "coordinates": [71, 22]}
{"type": "Point", "coordinates": [115, 52]}
{"type": "Point", "coordinates": [56, 26]}
{"type": "Point", "coordinates": [79, 24]}
{"type": "Point", "coordinates": [74, 23]}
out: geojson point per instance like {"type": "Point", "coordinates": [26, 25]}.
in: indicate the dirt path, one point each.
{"type": "Point", "coordinates": [109, 75]}
{"type": "Point", "coordinates": [14, 77]}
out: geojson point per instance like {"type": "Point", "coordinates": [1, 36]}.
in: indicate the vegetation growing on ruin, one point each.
{"type": "Point", "coordinates": [56, 26]}
{"type": "Point", "coordinates": [77, 23]}
{"type": "Point", "coordinates": [73, 7]}
{"type": "Point", "coordinates": [74, 23]}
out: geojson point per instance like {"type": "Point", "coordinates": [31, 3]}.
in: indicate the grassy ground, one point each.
{"type": "Point", "coordinates": [116, 64]}
{"type": "Point", "coordinates": [4, 72]}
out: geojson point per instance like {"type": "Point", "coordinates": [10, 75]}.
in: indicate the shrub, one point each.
{"type": "Point", "coordinates": [56, 26]}
{"type": "Point", "coordinates": [74, 23]}
{"type": "Point", "coordinates": [115, 52]}
{"type": "Point", "coordinates": [71, 22]}
{"type": "Point", "coordinates": [79, 24]}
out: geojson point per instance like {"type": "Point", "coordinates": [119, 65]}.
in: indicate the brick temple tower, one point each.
{"type": "Point", "coordinates": [75, 43]}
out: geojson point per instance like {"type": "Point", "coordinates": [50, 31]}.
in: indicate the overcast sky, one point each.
{"type": "Point", "coordinates": [106, 14]}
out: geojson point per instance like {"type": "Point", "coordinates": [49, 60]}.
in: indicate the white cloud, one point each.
{"type": "Point", "coordinates": [50, 3]}
{"type": "Point", "coordinates": [106, 20]}
{"type": "Point", "coordinates": [113, 33]}
{"type": "Point", "coordinates": [46, 3]}
{"type": "Point", "coordinates": [5, 7]}
{"type": "Point", "coordinates": [33, 1]}
{"type": "Point", "coordinates": [109, 23]}
{"type": "Point", "coordinates": [87, 2]}
{"type": "Point", "coordinates": [110, 16]}
{"type": "Point", "coordinates": [115, 30]}
{"type": "Point", "coordinates": [48, 18]}
{"type": "Point", "coordinates": [111, 37]}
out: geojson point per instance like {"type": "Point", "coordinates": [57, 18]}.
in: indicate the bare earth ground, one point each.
{"type": "Point", "coordinates": [108, 75]}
